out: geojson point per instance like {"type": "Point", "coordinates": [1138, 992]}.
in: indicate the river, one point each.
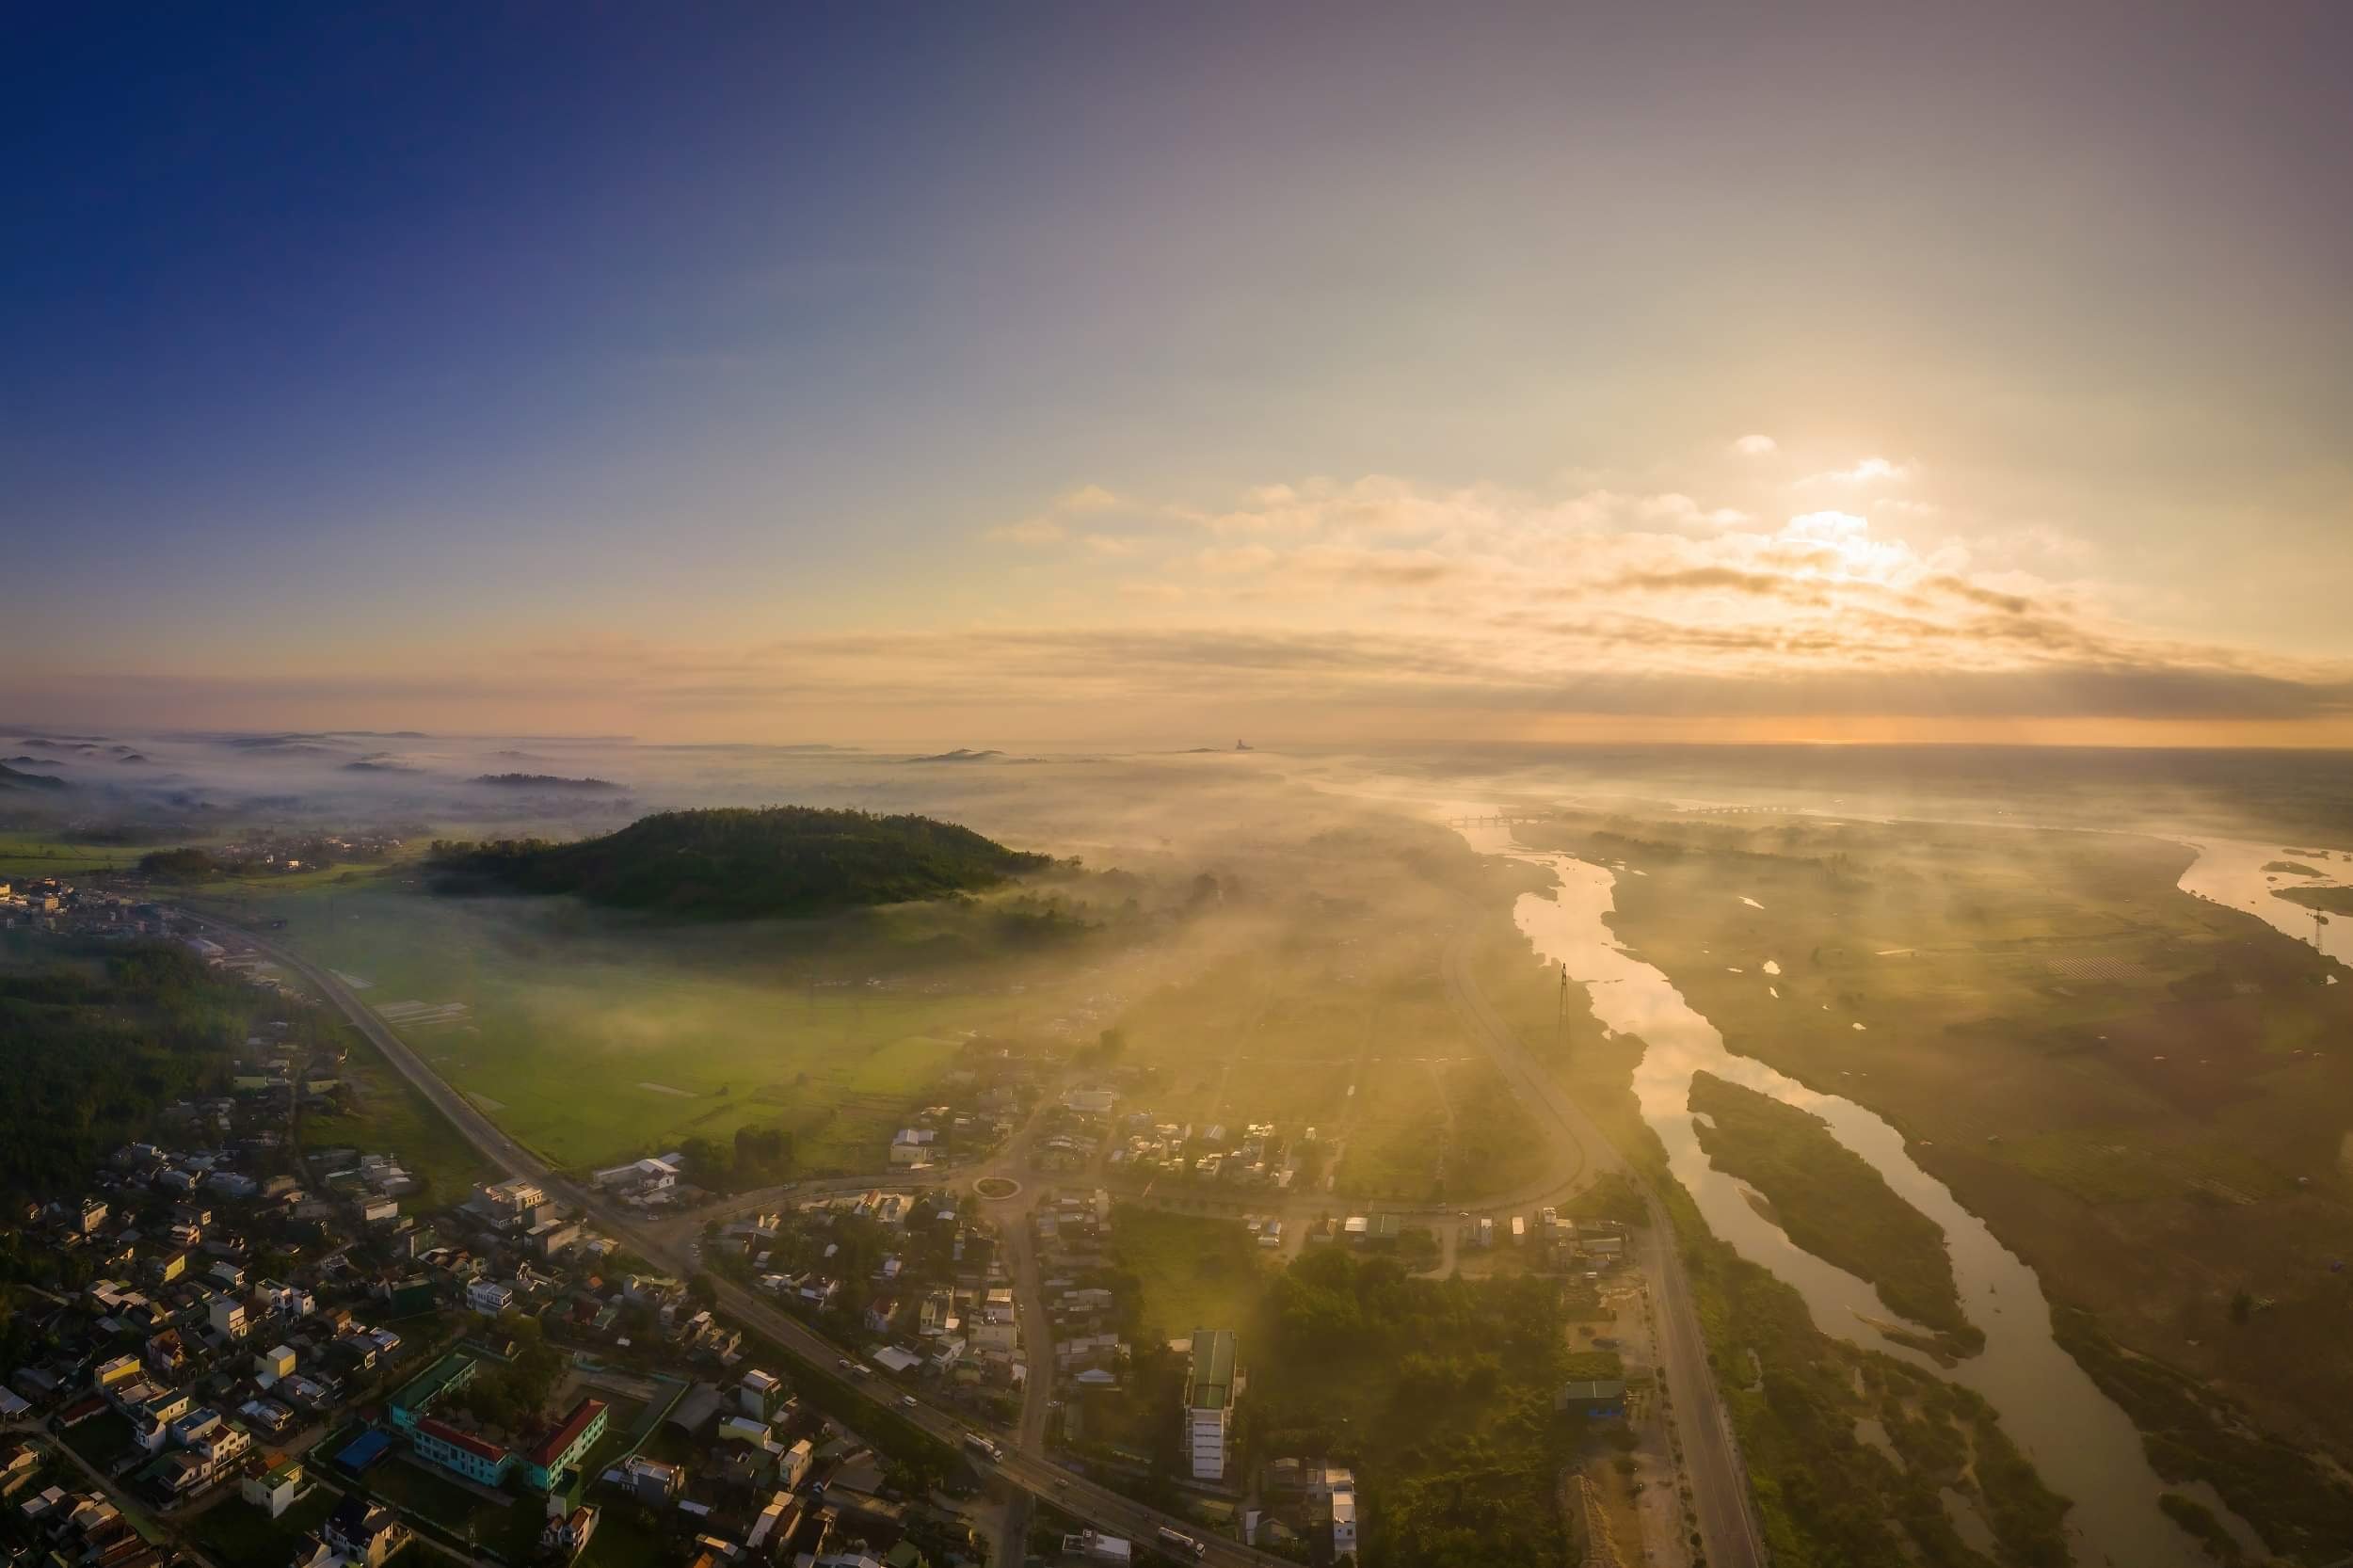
{"type": "Point", "coordinates": [2083, 1444]}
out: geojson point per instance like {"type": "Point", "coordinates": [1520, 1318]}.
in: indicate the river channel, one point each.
{"type": "Point", "coordinates": [2082, 1443]}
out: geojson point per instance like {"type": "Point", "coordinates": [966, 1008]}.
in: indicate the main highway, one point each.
{"type": "Point", "coordinates": [1022, 1463]}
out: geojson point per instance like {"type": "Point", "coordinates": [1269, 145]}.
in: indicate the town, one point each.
{"type": "Point", "coordinates": [240, 1345]}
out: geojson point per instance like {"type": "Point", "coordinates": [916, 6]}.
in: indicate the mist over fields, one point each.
{"type": "Point", "coordinates": [153, 787]}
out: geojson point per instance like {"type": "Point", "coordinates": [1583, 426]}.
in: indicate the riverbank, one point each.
{"type": "Point", "coordinates": [2083, 1445]}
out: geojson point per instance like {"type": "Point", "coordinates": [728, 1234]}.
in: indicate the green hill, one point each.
{"type": "Point", "coordinates": [739, 864]}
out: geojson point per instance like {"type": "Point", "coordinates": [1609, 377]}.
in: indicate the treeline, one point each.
{"type": "Point", "coordinates": [94, 1046]}
{"type": "Point", "coordinates": [179, 864]}
{"type": "Point", "coordinates": [756, 1157]}
{"type": "Point", "coordinates": [742, 864]}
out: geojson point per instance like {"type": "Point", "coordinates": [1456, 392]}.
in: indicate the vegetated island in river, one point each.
{"type": "Point", "coordinates": [744, 864]}
{"type": "Point", "coordinates": [1829, 1200]}
{"type": "Point", "coordinates": [2335, 900]}
{"type": "Point", "coordinates": [547, 781]}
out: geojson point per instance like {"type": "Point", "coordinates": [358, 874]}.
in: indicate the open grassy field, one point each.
{"type": "Point", "coordinates": [2148, 1096]}
{"type": "Point", "coordinates": [1195, 1272]}
{"type": "Point", "coordinates": [591, 1044]}
{"type": "Point", "coordinates": [35, 855]}
{"type": "Point", "coordinates": [385, 1114]}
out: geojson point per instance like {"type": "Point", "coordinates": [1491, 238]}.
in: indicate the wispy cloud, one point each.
{"type": "Point", "coordinates": [1865, 472]}
{"type": "Point", "coordinates": [1051, 525]}
{"type": "Point", "coordinates": [1754, 446]}
{"type": "Point", "coordinates": [1030, 531]}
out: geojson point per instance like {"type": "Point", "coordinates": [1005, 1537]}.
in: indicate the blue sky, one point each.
{"type": "Point", "coordinates": [354, 342]}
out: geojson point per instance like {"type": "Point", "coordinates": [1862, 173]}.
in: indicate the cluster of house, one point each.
{"type": "Point", "coordinates": [1258, 1156]}
{"type": "Point", "coordinates": [53, 904]}
{"type": "Point", "coordinates": [1074, 1130]}
{"type": "Point", "coordinates": [234, 1309]}
{"type": "Point", "coordinates": [938, 1302]}
{"type": "Point", "coordinates": [1565, 1243]}
{"type": "Point", "coordinates": [772, 1481]}
{"type": "Point", "coordinates": [179, 1339]}
{"type": "Point", "coordinates": [53, 1524]}
{"type": "Point", "coordinates": [1074, 1233]}
{"type": "Point", "coordinates": [1305, 1501]}
{"type": "Point", "coordinates": [940, 1132]}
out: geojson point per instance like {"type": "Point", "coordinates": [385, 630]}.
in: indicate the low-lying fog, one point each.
{"type": "Point", "coordinates": [162, 788]}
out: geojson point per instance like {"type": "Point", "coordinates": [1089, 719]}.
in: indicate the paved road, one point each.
{"type": "Point", "coordinates": [106, 1486]}
{"type": "Point", "coordinates": [1031, 1472]}
{"type": "Point", "coordinates": [1728, 1527]}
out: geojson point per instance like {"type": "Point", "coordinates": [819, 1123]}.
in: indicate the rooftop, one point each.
{"type": "Point", "coordinates": [466, 1441]}
{"type": "Point", "coordinates": [429, 1384]}
{"type": "Point", "coordinates": [1210, 1386]}
{"type": "Point", "coordinates": [551, 1448]}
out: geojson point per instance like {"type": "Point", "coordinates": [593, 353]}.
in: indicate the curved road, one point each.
{"type": "Point", "coordinates": [1028, 1470]}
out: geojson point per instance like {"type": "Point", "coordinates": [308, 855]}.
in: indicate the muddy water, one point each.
{"type": "Point", "coordinates": [2084, 1445]}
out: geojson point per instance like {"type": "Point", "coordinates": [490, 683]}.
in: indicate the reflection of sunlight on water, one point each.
{"type": "Point", "coordinates": [2084, 1445]}
{"type": "Point", "coordinates": [2231, 871]}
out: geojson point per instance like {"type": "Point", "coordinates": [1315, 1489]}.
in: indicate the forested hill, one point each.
{"type": "Point", "coordinates": [739, 864]}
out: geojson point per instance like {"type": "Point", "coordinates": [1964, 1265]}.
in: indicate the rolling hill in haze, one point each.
{"type": "Point", "coordinates": [12, 779]}
{"type": "Point", "coordinates": [746, 864]}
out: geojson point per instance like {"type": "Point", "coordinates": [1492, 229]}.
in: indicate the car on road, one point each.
{"type": "Point", "coordinates": [843, 1362]}
{"type": "Point", "coordinates": [907, 1401]}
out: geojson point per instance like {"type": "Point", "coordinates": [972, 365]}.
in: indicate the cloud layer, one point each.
{"type": "Point", "coordinates": [1382, 606]}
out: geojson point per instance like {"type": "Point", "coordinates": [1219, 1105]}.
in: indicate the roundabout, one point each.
{"type": "Point", "coordinates": [996, 1188]}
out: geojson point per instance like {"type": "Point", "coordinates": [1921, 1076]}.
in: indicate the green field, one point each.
{"type": "Point", "coordinates": [34, 854]}
{"type": "Point", "coordinates": [384, 1114]}
{"type": "Point", "coordinates": [594, 1036]}
{"type": "Point", "coordinates": [592, 1044]}
{"type": "Point", "coordinates": [1193, 1273]}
